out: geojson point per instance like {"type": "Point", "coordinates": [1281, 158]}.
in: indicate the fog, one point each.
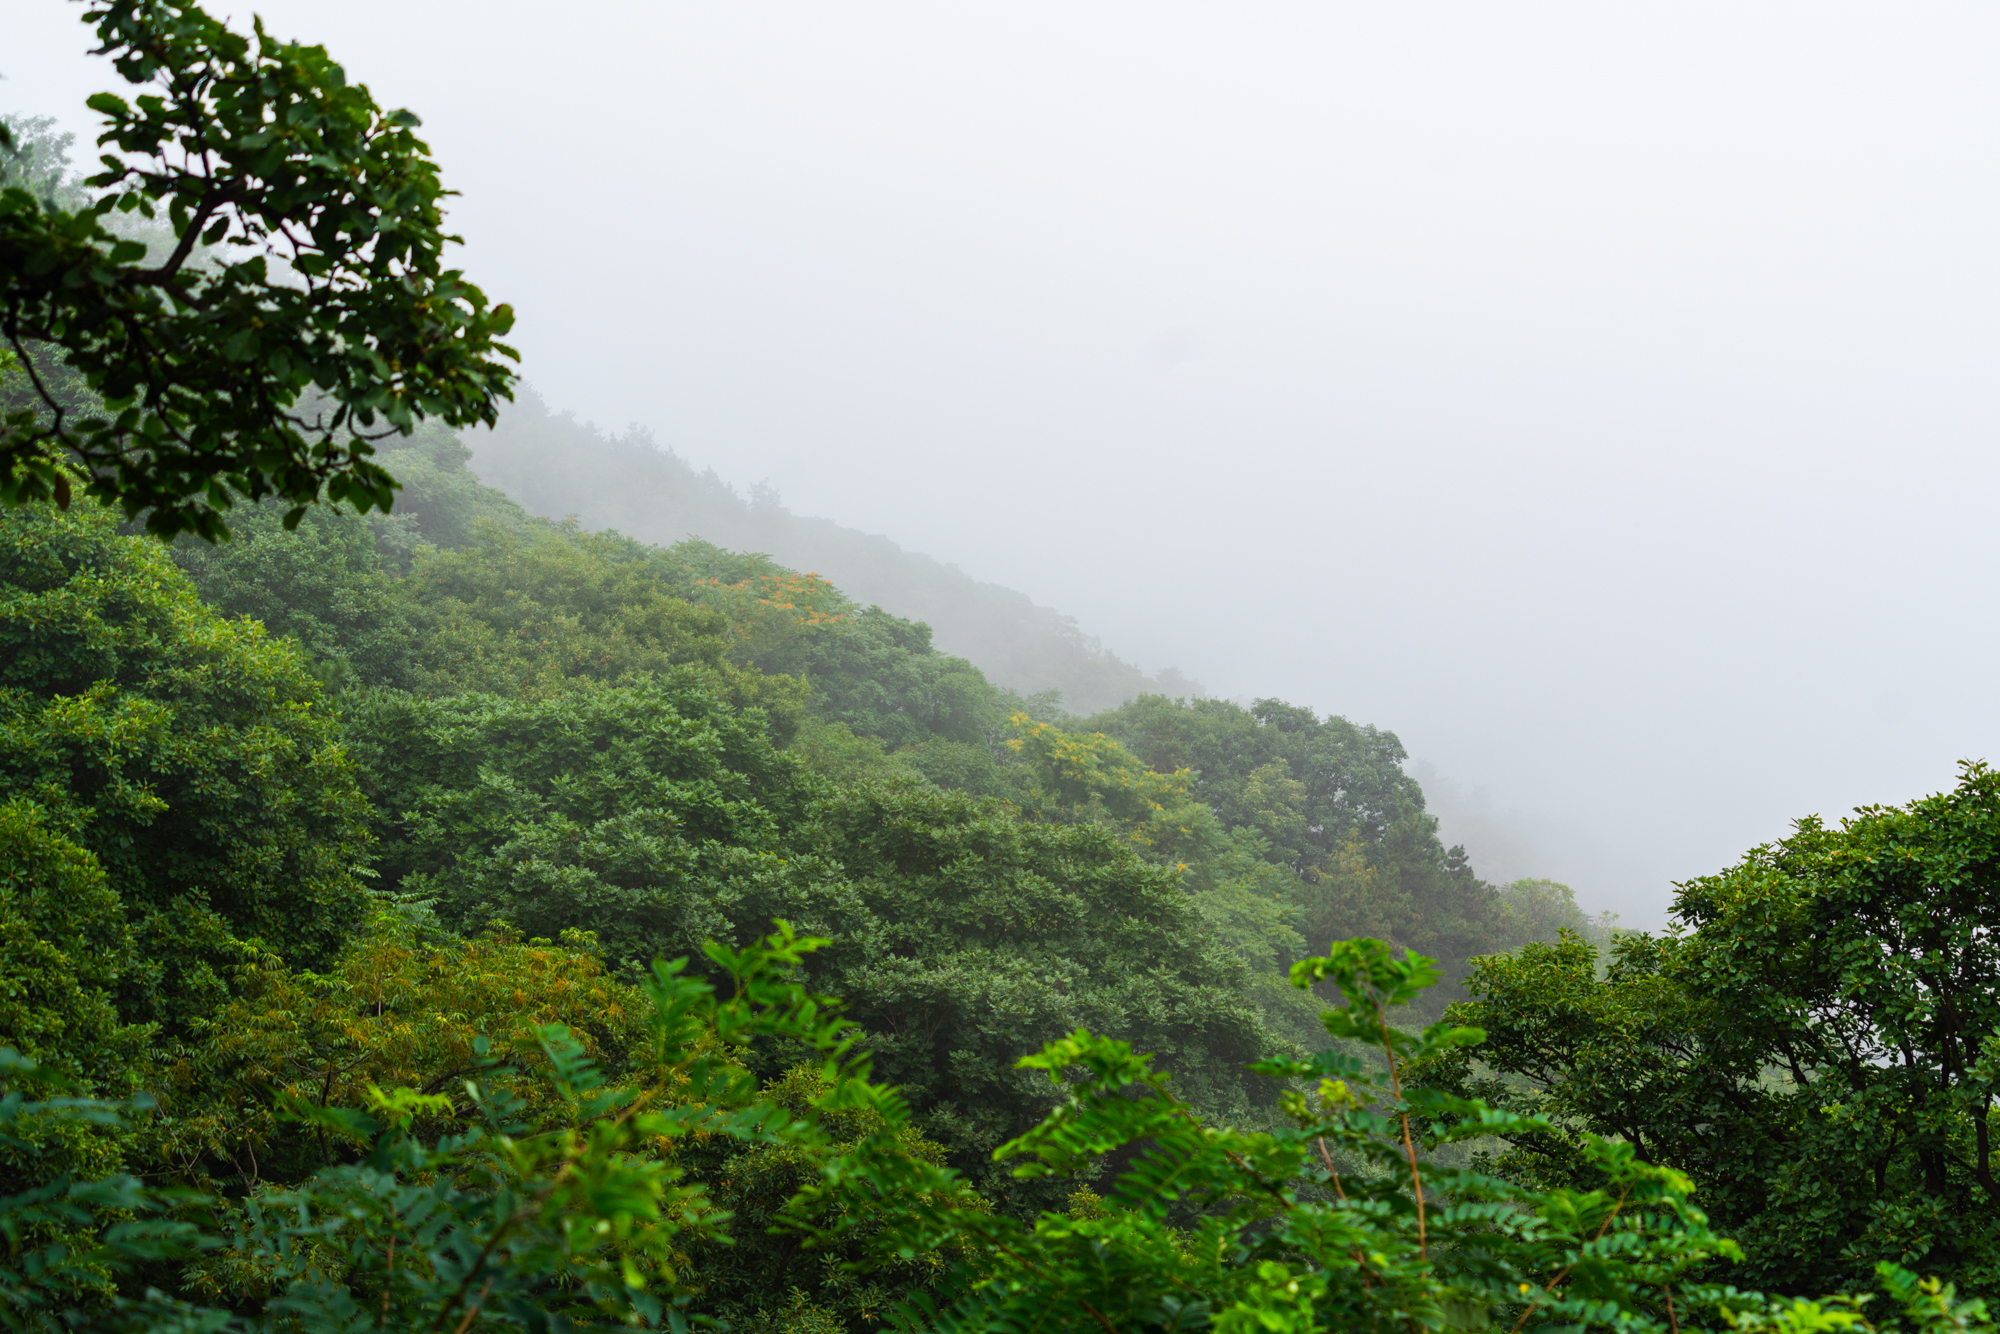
{"type": "Point", "coordinates": [1600, 397]}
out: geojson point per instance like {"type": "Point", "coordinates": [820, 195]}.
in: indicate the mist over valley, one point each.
{"type": "Point", "coordinates": [1304, 668]}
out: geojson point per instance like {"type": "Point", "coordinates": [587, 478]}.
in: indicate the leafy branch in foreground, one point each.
{"type": "Point", "coordinates": [501, 1226]}
{"type": "Point", "coordinates": [1346, 1220]}
{"type": "Point", "coordinates": [305, 267]}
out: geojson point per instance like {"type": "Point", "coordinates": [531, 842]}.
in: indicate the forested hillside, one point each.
{"type": "Point", "coordinates": [1283, 827]}
{"type": "Point", "coordinates": [460, 727]}
{"type": "Point", "coordinates": [557, 466]}
{"type": "Point", "coordinates": [421, 914]}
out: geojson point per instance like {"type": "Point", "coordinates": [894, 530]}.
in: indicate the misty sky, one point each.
{"type": "Point", "coordinates": [1600, 397]}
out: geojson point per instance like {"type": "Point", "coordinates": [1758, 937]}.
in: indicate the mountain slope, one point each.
{"type": "Point", "coordinates": [556, 466]}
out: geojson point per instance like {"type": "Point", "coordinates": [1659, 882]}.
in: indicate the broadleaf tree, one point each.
{"type": "Point", "coordinates": [1816, 1043]}
{"type": "Point", "coordinates": [303, 310]}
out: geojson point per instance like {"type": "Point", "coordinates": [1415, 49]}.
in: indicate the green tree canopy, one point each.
{"type": "Point", "coordinates": [321, 584]}
{"type": "Point", "coordinates": [1333, 807]}
{"type": "Point", "coordinates": [658, 817]}
{"type": "Point", "coordinates": [871, 672]}
{"type": "Point", "coordinates": [65, 951]}
{"type": "Point", "coordinates": [962, 934]}
{"type": "Point", "coordinates": [621, 810]}
{"type": "Point", "coordinates": [192, 756]}
{"type": "Point", "coordinates": [1817, 1043]}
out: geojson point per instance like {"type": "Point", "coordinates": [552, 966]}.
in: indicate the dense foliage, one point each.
{"type": "Point", "coordinates": [1331, 807]}
{"type": "Point", "coordinates": [547, 1194]}
{"type": "Point", "coordinates": [1817, 1044]}
{"type": "Point", "coordinates": [192, 756]}
{"type": "Point", "coordinates": [601, 784]}
{"type": "Point", "coordinates": [306, 257]}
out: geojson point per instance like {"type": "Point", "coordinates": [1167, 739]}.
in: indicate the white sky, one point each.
{"type": "Point", "coordinates": [1601, 397]}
